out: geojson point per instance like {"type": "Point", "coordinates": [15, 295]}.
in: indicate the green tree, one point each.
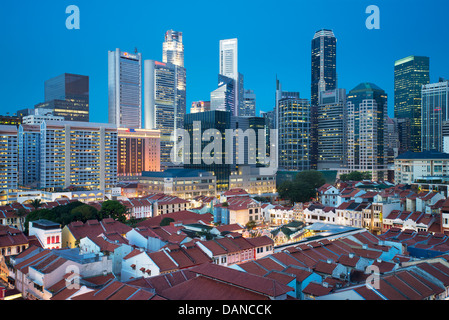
{"type": "Point", "coordinates": [356, 176]}
{"type": "Point", "coordinates": [166, 221]}
{"type": "Point", "coordinates": [84, 212]}
{"type": "Point", "coordinates": [114, 209]}
{"type": "Point", "coordinates": [250, 225]}
{"type": "Point", "coordinates": [303, 187]}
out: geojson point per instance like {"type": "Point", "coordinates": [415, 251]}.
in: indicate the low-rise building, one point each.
{"type": "Point", "coordinates": [411, 166]}
{"type": "Point", "coordinates": [183, 183]}
{"type": "Point", "coordinates": [47, 232]}
{"type": "Point", "coordinates": [238, 210]}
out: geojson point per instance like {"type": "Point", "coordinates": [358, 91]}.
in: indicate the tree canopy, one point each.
{"type": "Point", "coordinates": [355, 176]}
{"type": "Point", "coordinates": [303, 187]}
{"type": "Point", "coordinates": [114, 209]}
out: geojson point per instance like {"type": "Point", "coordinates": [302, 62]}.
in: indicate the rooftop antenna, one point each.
{"type": "Point", "coordinates": [135, 50]}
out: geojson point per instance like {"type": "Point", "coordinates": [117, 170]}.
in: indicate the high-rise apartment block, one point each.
{"type": "Point", "coordinates": [77, 154]}
{"type": "Point", "coordinates": [367, 114]}
{"type": "Point", "coordinates": [67, 96]}
{"type": "Point", "coordinates": [410, 74]}
{"type": "Point", "coordinates": [125, 89]}
{"type": "Point", "coordinates": [8, 160]}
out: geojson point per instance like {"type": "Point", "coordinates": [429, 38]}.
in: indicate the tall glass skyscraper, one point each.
{"type": "Point", "coordinates": [410, 74]}
{"type": "Point", "coordinates": [223, 98]}
{"type": "Point", "coordinates": [125, 89]}
{"type": "Point", "coordinates": [366, 130]}
{"type": "Point", "coordinates": [294, 133]}
{"type": "Point", "coordinates": [332, 129]}
{"type": "Point", "coordinates": [324, 77]}
{"type": "Point", "coordinates": [249, 104]}
{"type": "Point", "coordinates": [165, 94]}
{"type": "Point", "coordinates": [67, 95]}
{"type": "Point", "coordinates": [173, 48]}
{"type": "Point", "coordinates": [229, 69]}
{"type": "Point", "coordinates": [435, 111]}
{"type": "Point", "coordinates": [216, 120]}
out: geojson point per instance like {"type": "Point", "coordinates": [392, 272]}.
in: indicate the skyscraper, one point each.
{"type": "Point", "coordinates": [294, 131]}
{"type": "Point", "coordinates": [435, 104]}
{"type": "Point", "coordinates": [367, 116]}
{"type": "Point", "coordinates": [229, 68]}
{"type": "Point", "coordinates": [410, 74]}
{"type": "Point", "coordinates": [173, 48]}
{"type": "Point", "coordinates": [249, 104]}
{"type": "Point", "coordinates": [125, 89]}
{"type": "Point", "coordinates": [67, 95]}
{"type": "Point", "coordinates": [195, 125]}
{"type": "Point", "coordinates": [165, 94]}
{"type": "Point", "coordinates": [223, 98]}
{"type": "Point", "coordinates": [332, 129]}
{"type": "Point", "coordinates": [324, 77]}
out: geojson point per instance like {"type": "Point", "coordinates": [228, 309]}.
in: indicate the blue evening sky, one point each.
{"type": "Point", "coordinates": [274, 39]}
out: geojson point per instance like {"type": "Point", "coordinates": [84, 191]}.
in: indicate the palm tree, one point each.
{"type": "Point", "coordinates": [36, 203]}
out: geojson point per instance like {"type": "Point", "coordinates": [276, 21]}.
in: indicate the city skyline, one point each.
{"type": "Point", "coordinates": [262, 55]}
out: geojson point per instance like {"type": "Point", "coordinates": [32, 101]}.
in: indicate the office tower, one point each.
{"type": "Point", "coordinates": [173, 48]}
{"type": "Point", "coordinates": [125, 89]}
{"type": "Point", "coordinates": [165, 94]}
{"type": "Point", "coordinates": [223, 98]}
{"type": "Point", "coordinates": [229, 58]}
{"type": "Point", "coordinates": [332, 129]}
{"type": "Point", "coordinates": [67, 95]}
{"type": "Point", "coordinates": [195, 125]}
{"type": "Point", "coordinates": [165, 103]}
{"type": "Point", "coordinates": [324, 78]}
{"type": "Point", "coordinates": [249, 104]}
{"type": "Point", "coordinates": [138, 151]}
{"type": "Point", "coordinates": [249, 150]}
{"type": "Point", "coordinates": [270, 118]}
{"type": "Point", "coordinates": [78, 154]}
{"type": "Point", "coordinates": [404, 134]}
{"type": "Point", "coordinates": [229, 68]}
{"type": "Point", "coordinates": [10, 120]}
{"type": "Point", "coordinates": [294, 131]}
{"type": "Point", "coordinates": [367, 114]}
{"type": "Point", "coordinates": [435, 106]}
{"type": "Point", "coordinates": [200, 106]}
{"type": "Point", "coordinates": [219, 142]}
{"type": "Point", "coordinates": [392, 143]}
{"type": "Point", "coordinates": [410, 74]}
{"type": "Point", "coordinates": [8, 160]}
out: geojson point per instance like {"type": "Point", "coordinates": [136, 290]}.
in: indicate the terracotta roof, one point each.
{"type": "Point", "coordinates": [179, 217]}
{"type": "Point", "coordinates": [11, 237]}
{"type": "Point", "coordinates": [235, 192]}
{"type": "Point", "coordinates": [254, 283]}
{"type": "Point", "coordinates": [316, 289]}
